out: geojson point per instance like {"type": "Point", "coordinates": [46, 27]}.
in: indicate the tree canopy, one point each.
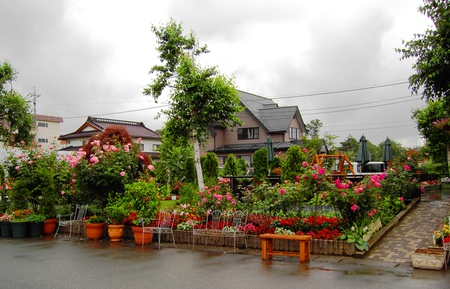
{"type": "Point", "coordinates": [16, 121]}
{"type": "Point", "coordinates": [199, 97]}
{"type": "Point", "coordinates": [432, 52]}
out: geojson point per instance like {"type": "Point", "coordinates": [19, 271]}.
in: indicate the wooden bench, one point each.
{"type": "Point", "coordinates": [304, 247]}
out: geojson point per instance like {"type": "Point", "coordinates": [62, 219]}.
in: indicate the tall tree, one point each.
{"type": "Point", "coordinates": [313, 128]}
{"type": "Point", "coordinates": [16, 121]}
{"type": "Point", "coordinates": [437, 143]}
{"type": "Point", "coordinates": [432, 53]}
{"type": "Point", "coordinates": [200, 97]}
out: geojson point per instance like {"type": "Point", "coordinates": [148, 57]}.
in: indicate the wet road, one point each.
{"type": "Point", "coordinates": [62, 263]}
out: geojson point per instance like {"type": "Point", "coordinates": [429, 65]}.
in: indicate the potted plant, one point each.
{"type": "Point", "coordinates": [5, 225]}
{"type": "Point", "coordinates": [116, 212]}
{"type": "Point", "coordinates": [35, 223]}
{"type": "Point", "coordinates": [142, 197]}
{"type": "Point", "coordinates": [95, 226]}
{"type": "Point", "coordinates": [19, 223]}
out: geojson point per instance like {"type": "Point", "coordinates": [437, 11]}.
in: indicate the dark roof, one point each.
{"type": "Point", "coordinates": [136, 129]}
{"type": "Point", "coordinates": [252, 147]}
{"type": "Point", "coordinates": [272, 117]}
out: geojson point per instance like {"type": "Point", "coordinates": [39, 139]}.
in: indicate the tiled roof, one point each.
{"type": "Point", "coordinates": [136, 129]}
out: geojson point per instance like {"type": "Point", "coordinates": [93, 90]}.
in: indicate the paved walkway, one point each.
{"type": "Point", "coordinates": [414, 231]}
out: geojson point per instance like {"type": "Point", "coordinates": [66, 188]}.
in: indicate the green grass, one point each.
{"type": "Point", "coordinates": [168, 203]}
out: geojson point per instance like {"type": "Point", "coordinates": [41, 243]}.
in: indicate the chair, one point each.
{"type": "Point", "coordinates": [164, 225]}
{"type": "Point", "coordinates": [75, 219]}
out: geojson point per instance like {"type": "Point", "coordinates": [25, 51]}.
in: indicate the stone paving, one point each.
{"type": "Point", "coordinates": [414, 231]}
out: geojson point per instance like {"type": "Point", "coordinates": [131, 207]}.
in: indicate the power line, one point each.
{"type": "Point", "coordinates": [340, 91]}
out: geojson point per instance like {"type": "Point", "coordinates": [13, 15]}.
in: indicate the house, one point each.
{"type": "Point", "coordinates": [150, 140]}
{"type": "Point", "coordinates": [47, 130]}
{"type": "Point", "coordinates": [261, 118]}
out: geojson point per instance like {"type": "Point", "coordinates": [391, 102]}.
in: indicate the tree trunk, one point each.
{"type": "Point", "coordinates": [198, 164]}
{"type": "Point", "coordinates": [448, 157]}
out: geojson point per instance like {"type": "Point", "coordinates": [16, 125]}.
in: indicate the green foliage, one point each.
{"type": "Point", "coordinates": [199, 96]}
{"type": "Point", "coordinates": [116, 210]}
{"type": "Point", "coordinates": [142, 197]}
{"type": "Point", "coordinates": [436, 139]}
{"type": "Point", "coordinates": [349, 147]}
{"type": "Point", "coordinates": [210, 166]}
{"type": "Point", "coordinates": [16, 120]}
{"type": "Point", "coordinates": [313, 128]}
{"type": "Point", "coordinates": [355, 235]}
{"type": "Point", "coordinates": [176, 159]}
{"type": "Point", "coordinates": [260, 165]}
{"type": "Point", "coordinates": [216, 197]}
{"type": "Point", "coordinates": [38, 179]}
{"type": "Point", "coordinates": [106, 171]}
{"type": "Point", "coordinates": [230, 168]}
{"type": "Point", "coordinates": [188, 193]}
{"type": "Point", "coordinates": [292, 165]}
{"type": "Point", "coordinates": [242, 166]}
{"type": "Point", "coordinates": [431, 52]}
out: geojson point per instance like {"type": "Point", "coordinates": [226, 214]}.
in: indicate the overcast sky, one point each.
{"type": "Point", "coordinates": [335, 60]}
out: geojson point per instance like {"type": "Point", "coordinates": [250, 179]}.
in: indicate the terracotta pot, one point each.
{"type": "Point", "coordinates": [137, 231]}
{"type": "Point", "coordinates": [49, 226]}
{"type": "Point", "coordinates": [115, 232]}
{"type": "Point", "coordinates": [94, 231]}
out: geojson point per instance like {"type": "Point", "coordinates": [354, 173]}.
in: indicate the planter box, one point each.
{"type": "Point", "coordinates": [428, 258]}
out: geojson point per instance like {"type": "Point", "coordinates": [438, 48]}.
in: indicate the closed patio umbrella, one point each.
{"type": "Point", "coordinates": [387, 154]}
{"type": "Point", "coordinates": [363, 156]}
{"type": "Point", "coordinates": [269, 146]}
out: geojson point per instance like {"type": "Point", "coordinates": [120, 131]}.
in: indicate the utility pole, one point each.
{"type": "Point", "coordinates": [35, 97]}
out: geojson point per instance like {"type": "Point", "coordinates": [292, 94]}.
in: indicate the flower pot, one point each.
{"type": "Point", "coordinates": [19, 229]}
{"type": "Point", "coordinates": [5, 228]}
{"type": "Point", "coordinates": [115, 232]}
{"type": "Point", "coordinates": [94, 231]}
{"type": "Point", "coordinates": [137, 231]}
{"type": "Point", "coordinates": [49, 226]}
{"type": "Point", "coordinates": [34, 229]}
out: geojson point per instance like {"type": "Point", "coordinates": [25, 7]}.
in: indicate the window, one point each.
{"type": "Point", "coordinates": [294, 133]}
{"type": "Point", "coordinates": [248, 133]}
{"type": "Point", "coordinates": [83, 142]}
{"type": "Point", "coordinates": [155, 147]}
{"type": "Point", "coordinates": [43, 140]}
{"type": "Point", "coordinates": [42, 124]}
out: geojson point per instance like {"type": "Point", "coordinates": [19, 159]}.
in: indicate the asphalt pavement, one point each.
{"type": "Point", "coordinates": [45, 263]}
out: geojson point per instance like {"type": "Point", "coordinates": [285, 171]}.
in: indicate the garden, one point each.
{"type": "Point", "coordinates": [122, 186]}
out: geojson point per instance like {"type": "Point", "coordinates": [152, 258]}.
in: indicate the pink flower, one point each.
{"type": "Point", "coordinates": [305, 150]}
{"type": "Point", "coordinates": [122, 174]}
{"type": "Point", "coordinates": [93, 160]}
{"type": "Point", "coordinates": [304, 164]}
{"type": "Point", "coordinates": [323, 195]}
{"type": "Point", "coordinates": [407, 168]}
{"type": "Point", "coordinates": [297, 178]}
{"type": "Point", "coordinates": [62, 192]}
{"type": "Point", "coordinates": [354, 207]}
{"type": "Point", "coordinates": [321, 171]}
{"type": "Point", "coordinates": [282, 191]}
{"type": "Point", "coordinates": [401, 199]}
{"type": "Point", "coordinates": [150, 167]}
{"type": "Point", "coordinates": [315, 176]}
{"type": "Point", "coordinates": [139, 140]}
{"type": "Point", "coordinates": [16, 168]}
{"type": "Point", "coordinates": [204, 200]}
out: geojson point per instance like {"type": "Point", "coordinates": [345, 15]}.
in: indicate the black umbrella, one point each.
{"type": "Point", "coordinates": [363, 156]}
{"type": "Point", "coordinates": [269, 146]}
{"type": "Point", "coordinates": [387, 155]}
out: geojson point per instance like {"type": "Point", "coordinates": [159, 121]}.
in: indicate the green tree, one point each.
{"type": "Point", "coordinates": [260, 165]}
{"type": "Point", "coordinates": [432, 53]}
{"type": "Point", "coordinates": [349, 147]}
{"type": "Point", "coordinates": [437, 140]}
{"type": "Point", "coordinates": [230, 168]}
{"type": "Point", "coordinates": [200, 97]}
{"type": "Point", "coordinates": [210, 166]}
{"type": "Point", "coordinates": [16, 121]}
{"type": "Point", "coordinates": [293, 164]}
{"type": "Point", "coordinates": [313, 128]}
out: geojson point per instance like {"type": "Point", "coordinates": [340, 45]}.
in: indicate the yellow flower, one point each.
{"type": "Point", "coordinates": [437, 234]}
